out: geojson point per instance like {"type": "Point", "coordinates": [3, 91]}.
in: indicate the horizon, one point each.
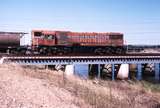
{"type": "Point", "coordinates": [138, 20]}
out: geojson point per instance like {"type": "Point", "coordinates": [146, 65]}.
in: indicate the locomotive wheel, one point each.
{"type": "Point", "coordinates": [108, 51]}
{"type": "Point", "coordinates": [53, 51]}
{"type": "Point", "coordinates": [64, 51]}
{"type": "Point", "coordinates": [99, 51]}
{"type": "Point", "coordinates": [50, 52]}
{"type": "Point", "coordinates": [43, 51]}
{"type": "Point", "coordinates": [13, 52]}
{"type": "Point", "coordinates": [28, 52]}
{"type": "Point", "coordinates": [60, 53]}
{"type": "Point", "coordinates": [23, 52]}
{"type": "Point", "coordinates": [67, 50]}
{"type": "Point", "coordinates": [119, 51]}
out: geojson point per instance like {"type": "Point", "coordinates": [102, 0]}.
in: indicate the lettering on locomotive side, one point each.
{"type": "Point", "coordinates": [79, 38]}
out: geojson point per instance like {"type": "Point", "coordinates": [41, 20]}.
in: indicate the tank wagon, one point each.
{"type": "Point", "coordinates": [65, 42]}
{"type": "Point", "coordinates": [10, 41]}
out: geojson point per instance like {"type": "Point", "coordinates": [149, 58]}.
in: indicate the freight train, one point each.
{"type": "Point", "coordinates": [46, 42]}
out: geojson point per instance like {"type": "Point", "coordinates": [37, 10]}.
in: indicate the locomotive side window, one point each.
{"type": "Point", "coordinates": [50, 37]}
{"type": "Point", "coordinates": [37, 34]}
{"type": "Point", "coordinates": [114, 37]}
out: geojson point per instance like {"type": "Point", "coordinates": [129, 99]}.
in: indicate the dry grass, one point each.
{"type": "Point", "coordinates": [103, 94]}
{"type": "Point", "coordinates": [97, 93]}
{"type": "Point", "coordinates": [29, 88]}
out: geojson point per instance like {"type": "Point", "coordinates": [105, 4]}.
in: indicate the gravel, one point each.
{"type": "Point", "coordinates": [18, 90]}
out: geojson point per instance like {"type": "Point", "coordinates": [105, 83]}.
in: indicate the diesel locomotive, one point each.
{"type": "Point", "coordinates": [47, 42]}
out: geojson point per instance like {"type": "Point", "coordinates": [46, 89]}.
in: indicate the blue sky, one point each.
{"type": "Point", "coordinates": [139, 20]}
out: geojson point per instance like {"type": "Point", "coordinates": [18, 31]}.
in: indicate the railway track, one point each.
{"type": "Point", "coordinates": [83, 59]}
{"type": "Point", "coordinates": [77, 55]}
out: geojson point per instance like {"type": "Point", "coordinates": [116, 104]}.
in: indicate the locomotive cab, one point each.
{"type": "Point", "coordinates": [42, 38]}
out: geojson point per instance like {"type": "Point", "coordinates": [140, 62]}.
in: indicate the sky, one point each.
{"type": "Point", "coordinates": [138, 20]}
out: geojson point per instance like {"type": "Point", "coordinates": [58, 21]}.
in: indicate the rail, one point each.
{"type": "Point", "coordinates": [51, 60]}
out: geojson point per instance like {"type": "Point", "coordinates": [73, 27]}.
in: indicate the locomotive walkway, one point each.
{"type": "Point", "coordinates": [71, 60]}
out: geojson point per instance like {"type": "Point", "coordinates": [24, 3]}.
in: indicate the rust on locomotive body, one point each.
{"type": "Point", "coordinates": [46, 38]}
{"type": "Point", "coordinates": [97, 39]}
{"type": "Point", "coordinates": [61, 38]}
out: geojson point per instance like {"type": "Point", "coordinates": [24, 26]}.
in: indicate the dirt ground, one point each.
{"type": "Point", "coordinates": [19, 90]}
{"type": "Point", "coordinates": [36, 87]}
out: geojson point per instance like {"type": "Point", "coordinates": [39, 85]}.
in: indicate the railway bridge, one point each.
{"type": "Point", "coordinates": [113, 60]}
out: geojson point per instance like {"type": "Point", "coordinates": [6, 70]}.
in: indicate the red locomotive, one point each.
{"type": "Point", "coordinates": [65, 42]}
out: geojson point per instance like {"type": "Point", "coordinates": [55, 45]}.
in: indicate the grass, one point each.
{"type": "Point", "coordinates": [150, 86]}
{"type": "Point", "coordinates": [99, 93]}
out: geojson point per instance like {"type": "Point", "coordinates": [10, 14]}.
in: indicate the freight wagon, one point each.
{"type": "Point", "coordinates": [10, 41]}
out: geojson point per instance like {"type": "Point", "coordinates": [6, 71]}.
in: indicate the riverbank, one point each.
{"type": "Point", "coordinates": [36, 87]}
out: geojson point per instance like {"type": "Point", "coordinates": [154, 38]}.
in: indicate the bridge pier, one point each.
{"type": "Point", "coordinates": [106, 71]}
{"type": "Point", "coordinates": [139, 71]}
{"type": "Point", "coordinates": [113, 71]}
{"type": "Point", "coordinates": [95, 70]}
{"type": "Point", "coordinates": [123, 72]}
{"type": "Point", "coordinates": [1, 60]}
{"type": "Point", "coordinates": [69, 69]}
{"type": "Point", "coordinates": [157, 71]}
{"type": "Point", "coordinates": [99, 71]}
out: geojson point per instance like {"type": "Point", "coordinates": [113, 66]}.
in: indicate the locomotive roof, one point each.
{"type": "Point", "coordinates": [70, 32]}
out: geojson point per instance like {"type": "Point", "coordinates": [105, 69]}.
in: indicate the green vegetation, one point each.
{"type": "Point", "coordinates": [155, 87]}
